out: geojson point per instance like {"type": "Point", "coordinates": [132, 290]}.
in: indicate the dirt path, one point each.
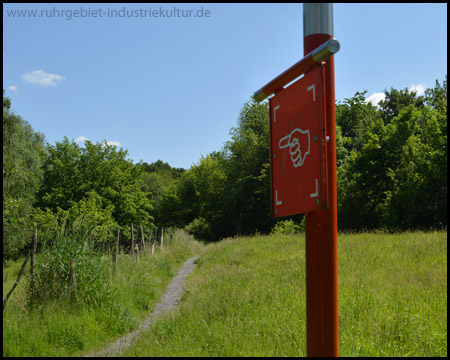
{"type": "Point", "coordinates": [169, 301]}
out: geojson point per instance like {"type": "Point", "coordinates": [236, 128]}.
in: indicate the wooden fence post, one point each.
{"type": "Point", "coordinates": [153, 244]}
{"type": "Point", "coordinates": [137, 254]}
{"type": "Point", "coordinates": [150, 242]}
{"type": "Point", "coordinates": [33, 263]}
{"type": "Point", "coordinates": [116, 251]}
{"type": "Point", "coordinates": [141, 233]}
{"type": "Point", "coordinates": [73, 278]}
{"type": "Point", "coordinates": [132, 240]}
{"type": "Point", "coordinates": [17, 281]}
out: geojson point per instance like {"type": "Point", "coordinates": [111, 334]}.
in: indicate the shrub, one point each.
{"type": "Point", "coordinates": [288, 227]}
{"type": "Point", "coordinates": [199, 228]}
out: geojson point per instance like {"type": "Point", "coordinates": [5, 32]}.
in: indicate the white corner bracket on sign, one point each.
{"type": "Point", "coordinates": [316, 194]}
{"type": "Point", "coordinates": [313, 88]}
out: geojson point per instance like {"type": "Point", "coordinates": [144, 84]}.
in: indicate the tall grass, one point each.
{"type": "Point", "coordinates": [393, 294]}
{"type": "Point", "coordinates": [60, 326]}
{"type": "Point", "coordinates": [247, 298]}
{"type": "Point", "coordinates": [94, 286]}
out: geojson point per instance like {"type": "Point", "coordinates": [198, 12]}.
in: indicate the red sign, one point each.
{"type": "Point", "coordinates": [298, 146]}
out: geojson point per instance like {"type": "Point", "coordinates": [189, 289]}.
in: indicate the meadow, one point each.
{"type": "Point", "coordinates": [61, 328]}
{"type": "Point", "coordinates": [247, 298]}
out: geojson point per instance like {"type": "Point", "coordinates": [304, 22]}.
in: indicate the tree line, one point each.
{"type": "Point", "coordinates": [391, 170]}
{"type": "Point", "coordinates": [391, 167]}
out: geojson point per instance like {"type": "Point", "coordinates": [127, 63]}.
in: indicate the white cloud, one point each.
{"type": "Point", "coordinates": [375, 98]}
{"type": "Point", "coordinates": [115, 143]}
{"type": "Point", "coordinates": [13, 88]}
{"type": "Point", "coordinates": [42, 78]}
{"type": "Point", "coordinates": [111, 142]}
{"type": "Point", "coordinates": [81, 139]}
{"type": "Point", "coordinates": [420, 89]}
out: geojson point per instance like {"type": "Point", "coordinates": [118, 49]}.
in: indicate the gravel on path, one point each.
{"type": "Point", "coordinates": [168, 302]}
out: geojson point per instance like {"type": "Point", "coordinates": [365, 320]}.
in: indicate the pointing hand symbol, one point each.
{"type": "Point", "coordinates": [298, 143]}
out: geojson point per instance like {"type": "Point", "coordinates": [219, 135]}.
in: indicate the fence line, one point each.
{"type": "Point", "coordinates": [34, 288]}
{"type": "Point", "coordinates": [17, 281]}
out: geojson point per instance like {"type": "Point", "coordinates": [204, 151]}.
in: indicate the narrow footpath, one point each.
{"type": "Point", "coordinates": [169, 301]}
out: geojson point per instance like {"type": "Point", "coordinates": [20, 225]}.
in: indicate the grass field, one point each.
{"type": "Point", "coordinates": [247, 298]}
{"type": "Point", "coordinates": [57, 328]}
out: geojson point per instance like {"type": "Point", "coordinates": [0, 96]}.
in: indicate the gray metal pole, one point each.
{"type": "Point", "coordinates": [317, 19]}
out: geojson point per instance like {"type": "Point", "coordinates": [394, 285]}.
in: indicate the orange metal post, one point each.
{"type": "Point", "coordinates": [321, 226]}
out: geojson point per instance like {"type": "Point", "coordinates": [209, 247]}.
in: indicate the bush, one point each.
{"type": "Point", "coordinates": [199, 228]}
{"type": "Point", "coordinates": [87, 217]}
{"type": "Point", "coordinates": [94, 221]}
{"type": "Point", "coordinates": [288, 227]}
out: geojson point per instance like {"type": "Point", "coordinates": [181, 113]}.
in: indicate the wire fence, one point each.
{"type": "Point", "coordinates": [37, 281]}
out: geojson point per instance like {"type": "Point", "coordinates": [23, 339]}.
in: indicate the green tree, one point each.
{"type": "Point", "coordinates": [398, 177]}
{"type": "Point", "coordinates": [436, 97]}
{"type": "Point", "coordinates": [23, 156]}
{"type": "Point", "coordinates": [209, 181]}
{"type": "Point", "coordinates": [353, 116]}
{"type": "Point", "coordinates": [162, 167]}
{"type": "Point", "coordinates": [418, 195]}
{"type": "Point", "coordinates": [247, 202]}
{"type": "Point", "coordinates": [72, 173]}
{"type": "Point", "coordinates": [228, 191]}
{"type": "Point", "coordinates": [389, 157]}
{"type": "Point", "coordinates": [396, 100]}
{"type": "Point", "coordinates": [95, 221]}
{"type": "Point", "coordinates": [363, 182]}
{"type": "Point", "coordinates": [179, 205]}
{"type": "Point", "coordinates": [156, 181]}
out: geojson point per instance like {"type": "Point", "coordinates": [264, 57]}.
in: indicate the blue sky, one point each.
{"type": "Point", "coordinates": [171, 88]}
